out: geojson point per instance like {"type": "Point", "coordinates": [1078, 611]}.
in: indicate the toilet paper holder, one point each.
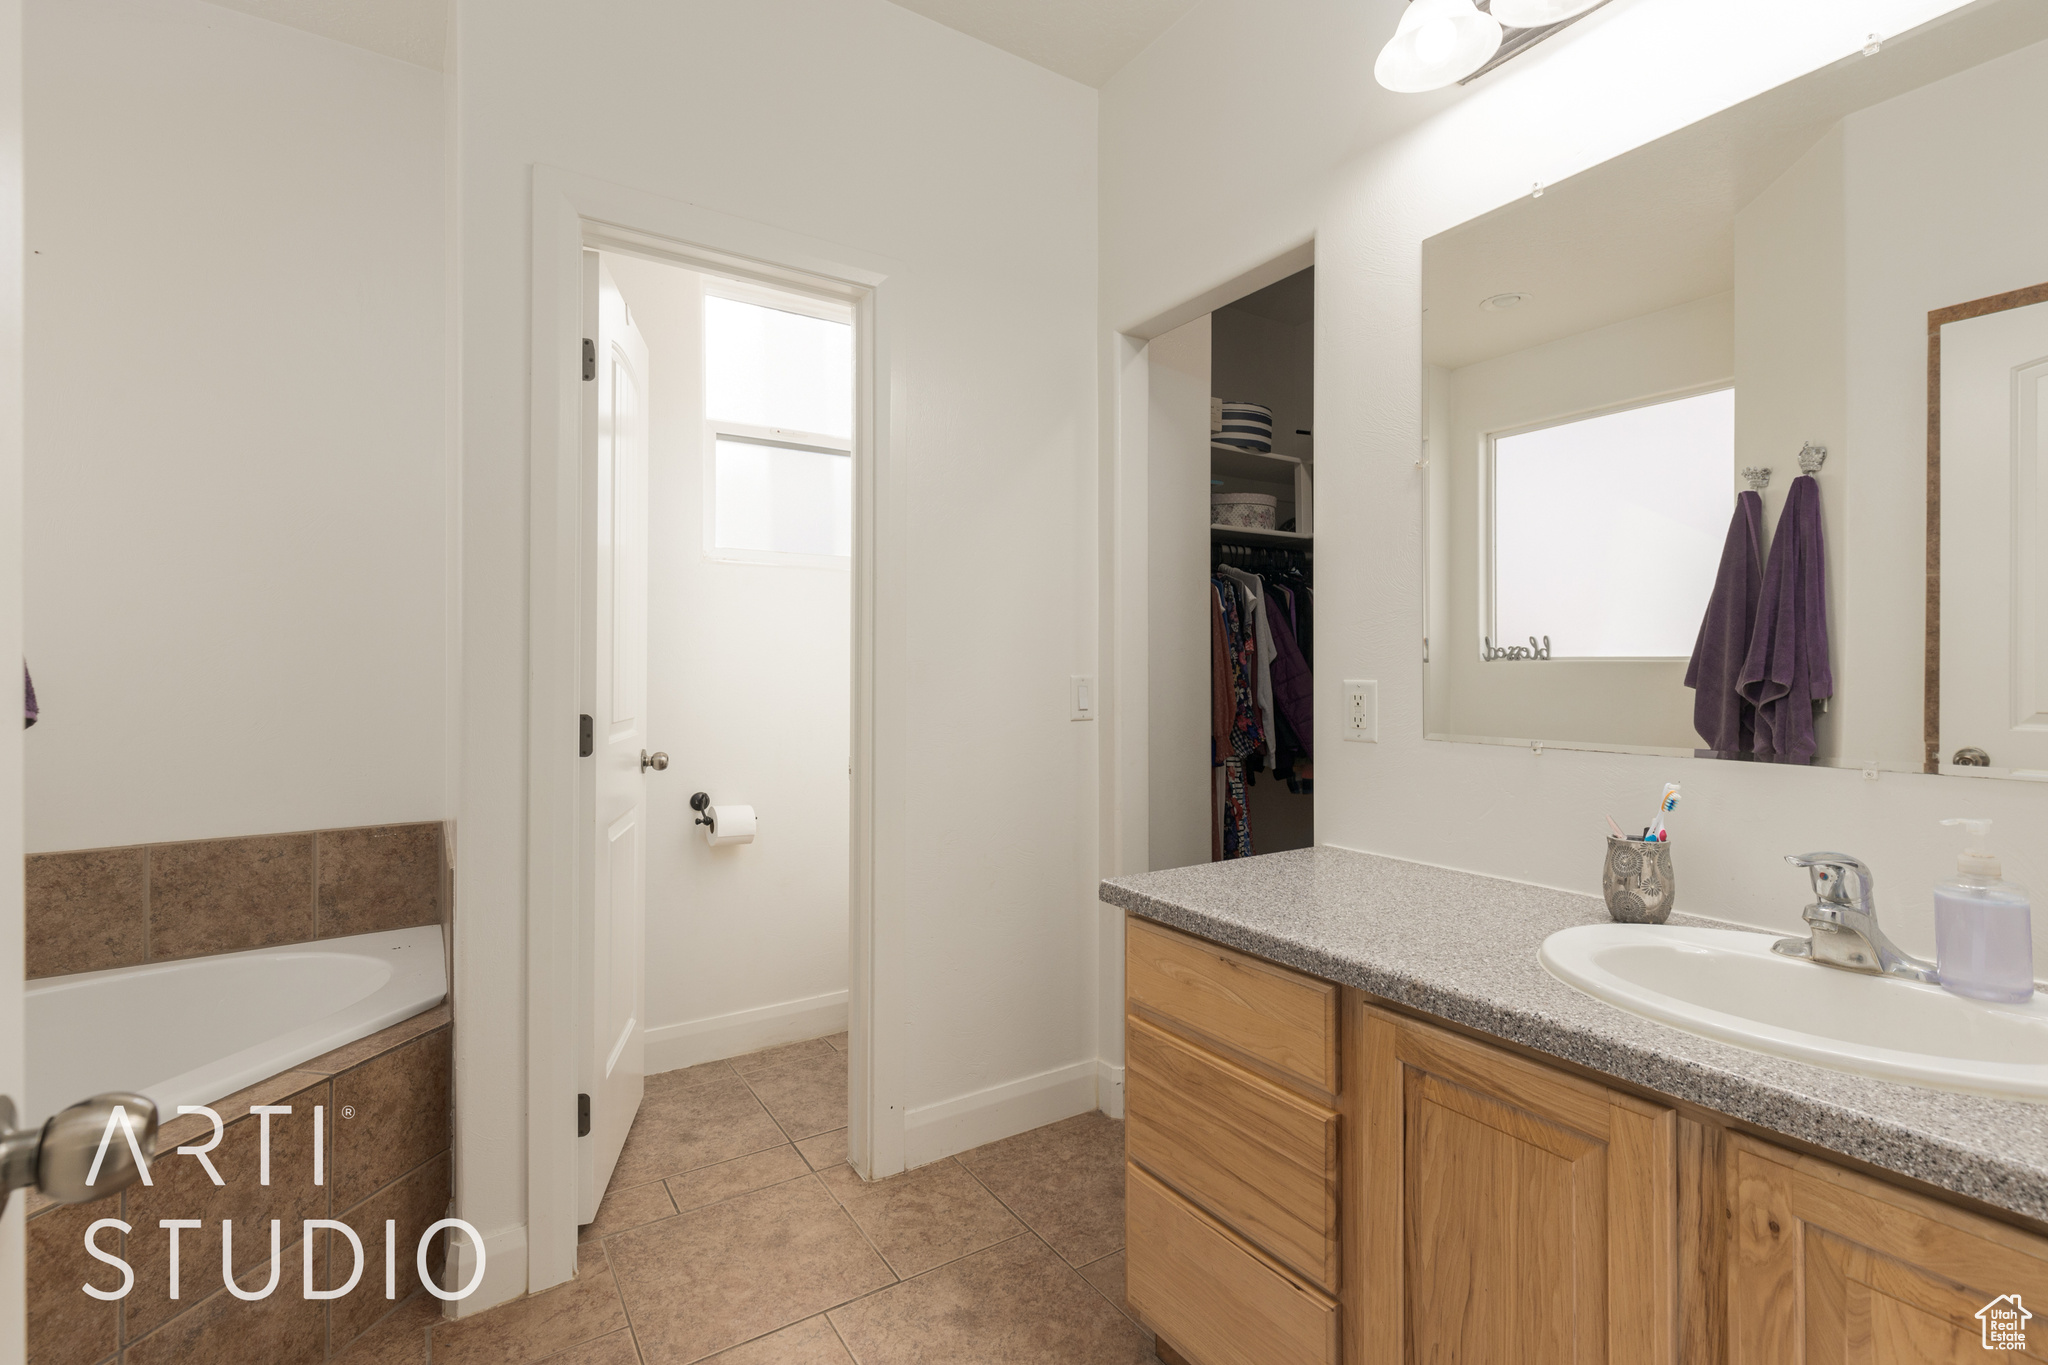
{"type": "Point", "coordinates": [723, 825]}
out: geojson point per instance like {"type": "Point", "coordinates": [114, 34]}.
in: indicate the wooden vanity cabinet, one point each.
{"type": "Point", "coordinates": [1231, 1132]}
{"type": "Point", "coordinates": [1507, 1212]}
{"type": "Point", "coordinates": [1314, 1179]}
{"type": "Point", "coordinates": [1833, 1268]}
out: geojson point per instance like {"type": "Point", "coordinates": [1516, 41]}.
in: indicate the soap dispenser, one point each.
{"type": "Point", "coordinates": [1983, 926]}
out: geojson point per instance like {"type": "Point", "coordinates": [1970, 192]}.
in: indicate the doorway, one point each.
{"type": "Point", "coordinates": [573, 214]}
{"type": "Point", "coordinates": [719, 518]}
{"type": "Point", "coordinates": [1230, 535]}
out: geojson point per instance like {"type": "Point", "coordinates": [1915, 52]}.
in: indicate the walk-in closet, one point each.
{"type": "Point", "coordinates": [1232, 573]}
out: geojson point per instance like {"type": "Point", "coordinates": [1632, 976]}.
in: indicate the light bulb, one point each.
{"type": "Point", "coordinates": [1537, 13]}
{"type": "Point", "coordinates": [1435, 42]}
{"type": "Point", "coordinates": [1438, 43]}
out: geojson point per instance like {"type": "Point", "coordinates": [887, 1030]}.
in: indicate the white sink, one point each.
{"type": "Point", "coordinates": [1729, 985]}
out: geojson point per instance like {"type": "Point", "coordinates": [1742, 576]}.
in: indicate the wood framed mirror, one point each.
{"type": "Point", "coordinates": [1987, 411]}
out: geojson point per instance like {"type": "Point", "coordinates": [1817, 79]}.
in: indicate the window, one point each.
{"type": "Point", "coordinates": [782, 499]}
{"type": "Point", "coordinates": [1607, 530]}
{"type": "Point", "coordinates": [778, 399]}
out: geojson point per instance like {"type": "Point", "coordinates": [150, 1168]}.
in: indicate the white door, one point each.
{"type": "Point", "coordinates": [614, 608]}
{"type": "Point", "coordinates": [1994, 537]}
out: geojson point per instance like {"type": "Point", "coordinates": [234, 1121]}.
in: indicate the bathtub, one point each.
{"type": "Point", "coordinates": [195, 1030]}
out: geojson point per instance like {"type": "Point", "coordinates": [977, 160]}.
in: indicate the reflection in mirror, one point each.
{"type": "Point", "coordinates": [1676, 428]}
{"type": "Point", "coordinates": [1987, 639]}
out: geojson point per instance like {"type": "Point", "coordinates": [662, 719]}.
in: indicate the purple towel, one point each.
{"type": "Point", "coordinates": [1722, 715]}
{"type": "Point", "coordinates": [1787, 669]}
{"type": "Point", "coordinates": [29, 712]}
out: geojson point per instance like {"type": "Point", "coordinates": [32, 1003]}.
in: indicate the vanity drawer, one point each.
{"type": "Point", "coordinates": [1256, 1155]}
{"type": "Point", "coordinates": [1212, 1297]}
{"type": "Point", "coordinates": [1276, 1021]}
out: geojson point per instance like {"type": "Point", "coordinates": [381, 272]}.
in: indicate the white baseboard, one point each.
{"type": "Point", "coordinates": [1109, 1088]}
{"type": "Point", "coordinates": [504, 1270]}
{"type": "Point", "coordinates": [673, 1046]}
{"type": "Point", "coordinates": [936, 1131]}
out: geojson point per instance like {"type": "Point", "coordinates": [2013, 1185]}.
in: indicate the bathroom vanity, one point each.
{"type": "Point", "coordinates": [1364, 1124]}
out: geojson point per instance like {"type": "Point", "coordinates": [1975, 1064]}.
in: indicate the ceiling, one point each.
{"type": "Point", "coordinates": [1085, 40]}
{"type": "Point", "coordinates": [1655, 227]}
{"type": "Point", "coordinates": [410, 30]}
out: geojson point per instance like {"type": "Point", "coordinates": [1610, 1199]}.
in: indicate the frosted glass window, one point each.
{"type": "Point", "coordinates": [764, 367]}
{"type": "Point", "coordinates": [782, 499]}
{"type": "Point", "coordinates": [1608, 530]}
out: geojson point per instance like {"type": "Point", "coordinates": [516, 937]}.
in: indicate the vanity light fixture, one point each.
{"type": "Point", "coordinates": [1538, 13]}
{"type": "Point", "coordinates": [1454, 42]}
{"type": "Point", "coordinates": [1438, 43]}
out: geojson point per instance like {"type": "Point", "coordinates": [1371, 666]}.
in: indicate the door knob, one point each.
{"type": "Point", "coordinates": [656, 761]}
{"type": "Point", "coordinates": [60, 1157]}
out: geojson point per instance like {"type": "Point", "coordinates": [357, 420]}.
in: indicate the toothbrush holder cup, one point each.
{"type": "Point", "coordinates": [1637, 883]}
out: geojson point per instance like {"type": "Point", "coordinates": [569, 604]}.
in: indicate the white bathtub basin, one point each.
{"type": "Point", "coordinates": [1730, 985]}
{"type": "Point", "coordinates": [192, 1031]}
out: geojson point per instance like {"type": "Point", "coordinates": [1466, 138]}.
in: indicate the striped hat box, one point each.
{"type": "Point", "coordinates": [1246, 426]}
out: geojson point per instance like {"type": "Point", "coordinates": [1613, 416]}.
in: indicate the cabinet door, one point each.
{"type": "Point", "coordinates": [1833, 1268]}
{"type": "Point", "coordinates": [1509, 1214]}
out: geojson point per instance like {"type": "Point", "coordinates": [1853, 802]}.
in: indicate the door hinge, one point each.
{"type": "Point", "coordinates": [586, 737]}
{"type": "Point", "coordinates": [589, 358]}
{"type": "Point", "coordinates": [583, 1116]}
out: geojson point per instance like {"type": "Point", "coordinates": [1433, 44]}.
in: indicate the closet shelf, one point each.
{"type": "Point", "coordinates": [1246, 536]}
{"type": "Point", "coordinates": [1252, 465]}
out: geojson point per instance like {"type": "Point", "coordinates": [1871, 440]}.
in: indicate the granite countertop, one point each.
{"type": "Point", "coordinates": [1463, 947]}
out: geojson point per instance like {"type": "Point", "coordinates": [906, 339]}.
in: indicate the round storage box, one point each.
{"type": "Point", "coordinates": [1246, 426]}
{"type": "Point", "coordinates": [1251, 511]}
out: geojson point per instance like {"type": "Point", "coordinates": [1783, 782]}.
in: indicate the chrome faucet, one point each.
{"type": "Point", "coordinates": [1844, 920]}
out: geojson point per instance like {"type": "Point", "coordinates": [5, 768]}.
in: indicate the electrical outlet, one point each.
{"type": "Point", "coordinates": [1361, 711]}
{"type": "Point", "coordinates": [1083, 698]}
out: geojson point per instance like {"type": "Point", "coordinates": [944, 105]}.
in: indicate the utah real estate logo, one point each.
{"type": "Point", "coordinates": [2005, 1323]}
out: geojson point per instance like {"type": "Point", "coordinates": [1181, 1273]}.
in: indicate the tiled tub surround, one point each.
{"type": "Point", "coordinates": [1463, 948]}
{"type": "Point", "coordinates": [116, 907]}
{"type": "Point", "coordinates": [387, 1133]}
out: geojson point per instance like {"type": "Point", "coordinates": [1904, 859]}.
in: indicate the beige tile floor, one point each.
{"type": "Point", "coordinates": [735, 1233]}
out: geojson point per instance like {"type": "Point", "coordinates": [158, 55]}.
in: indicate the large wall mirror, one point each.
{"type": "Point", "coordinates": [1733, 444]}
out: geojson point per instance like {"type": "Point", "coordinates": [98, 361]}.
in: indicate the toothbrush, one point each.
{"type": "Point", "coordinates": [1666, 803]}
{"type": "Point", "coordinates": [1616, 828]}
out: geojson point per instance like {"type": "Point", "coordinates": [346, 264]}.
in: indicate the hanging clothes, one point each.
{"type": "Point", "coordinates": [1724, 717]}
{"type": "Point", "coordinates": [1786, 673]}
{"type": "Point", "coordinates": [1262, 632]}
{"type": "Point", "coordinates": [1221, 711]}
{"type": "Point", "coordinates": [1293, 687]}
{"type": "Point", "coordinates": [1243, 736]}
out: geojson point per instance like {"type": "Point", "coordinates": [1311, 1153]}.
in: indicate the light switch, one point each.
{"type": "Point", "coordinates": [1084, 698]}
{"type": "Point", "coordinates": [1361, 711]}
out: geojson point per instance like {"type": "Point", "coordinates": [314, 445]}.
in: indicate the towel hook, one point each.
{"type": "Point", "coordinates": [1811, 458]}
{"type": "Point", "coordinates": [1757, 479]}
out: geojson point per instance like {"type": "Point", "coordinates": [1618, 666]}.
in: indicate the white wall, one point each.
{"type": "Point", "coordinates": [1370, 175]}
{"type": "Point", "coordinates": [749, 678]}
{"type": "Point", "coordinates": [974, 172]}
{"type": "Point", "coordinates": [235, 536]}
{"type": "Point", "coordinates": [1613, 701]}
{"type": "Point", "coordinates": [1177, 640]}
{"type": "Point", "coordinates": [1790, 311]}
